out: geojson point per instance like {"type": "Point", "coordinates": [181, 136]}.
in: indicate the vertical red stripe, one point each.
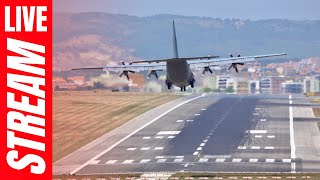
{"type": "Point", "coordinates": [41, 38]}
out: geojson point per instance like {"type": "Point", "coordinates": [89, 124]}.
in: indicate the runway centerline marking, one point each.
{"type": "Point", "coordinates": [197, 114]}
{"type": "Point", "coordinates": [131, 149]}
{"type": "Point", "coordinates": [146, 137]}
{"type": "Point", "coordinates": [145, 148]}
{"type": "Point", "coordinates": [159, 137]}
{"type": "Point", "coordinates": [179, 121]}
{"type": "Point", "coordinates": [171, 137]}
{"type": "Point", "coordinates": [292, 142]}
{"type": "Point", "coordinates": [134, 132]}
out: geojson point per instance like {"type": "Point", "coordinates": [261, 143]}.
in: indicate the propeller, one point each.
{"type": "Point", "coordinates": [126, 72]}
{"type": "Point", "coordinates": [235, 65]}
{"type": "Point", "coordinates": [207, 68]}
{"type": "Point", "coordinates": [153, 72]}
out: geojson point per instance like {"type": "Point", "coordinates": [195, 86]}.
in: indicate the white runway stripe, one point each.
{"type": "Point", "coordinates": [220, 160]}
{"type": "Point", "coordinates": [203, 160]}
{"type": "Point", "coordinates": [168, 132]}
{"type": "Point", "coordinates": [199, 148]}
{"type": "Point", "coordinates": [271, 136]}
{"type": "Point", "coordinates": [255, 147]}
{"type": "Point", "coordinates": [171, 137]}
{"type": "Point", "coordinates": [145, 148]}
{"type": "Point", "coordinates": [162, 160]}
{"type": "Point", "coordinates": [269, 147]}
{"type": "Point", "coordinates": [95, 162]}
{"type": "Point", "coordinates": [158, 148]}
{"type": "Point", "coordinates": [159, 137]}
{"type": "Point", "coordinates": [147, 137]}
{"type": "Point", "coordinates": [128, 161]}
{"type": "Point", "coordinates": [131, 149]}
{"type": "Point", "coordinates": [236, 160]}
{"type": "Point", "coordinates": [178, 160]}
{"type": "Point", "coordinates": [111, 161]}
{"type": "Point", "coordinates": [253, 160]}
{"type": "Point", "coordinates": [189, 120]}
{"type": "Point", "coordinates": [286, 160]}
{"type": "Point", "coordinates": [197, 114]}
{"type": "Point", "coordinates": [202, 144]}
{"type": "Point", "coordinates": [270, 160]}
{"type": "Point", "coordinates": [242, 147]}
{"type": "Point", "coordinates": [169, 157]}
{"type": "Point", "coordinates": [258, 136]}
{"type": "Point", "coordinates": [145, 161]}
{"type": "Point", "coordinates": [258, 131]}
{"type": "Point", "coordinates": [196, 153]}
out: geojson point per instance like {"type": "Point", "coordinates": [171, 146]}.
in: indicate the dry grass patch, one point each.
{"type": "Point", "coordinates": [316, 112]}
{"type": "Point", "coordinates": [81, 117]}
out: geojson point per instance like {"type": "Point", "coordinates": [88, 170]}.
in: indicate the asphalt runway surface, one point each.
{"type": "Point", "coordinates": [230, 133]}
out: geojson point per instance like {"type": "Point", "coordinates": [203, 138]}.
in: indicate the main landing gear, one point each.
{"type": "Point", "coordinates": [169, 84]}
{"type": "Point", "coordinates": [183, 88]}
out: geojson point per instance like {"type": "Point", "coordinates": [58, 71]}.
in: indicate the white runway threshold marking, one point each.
{"type": "Point", "coordinates": [123, 139]}
{"type": "Point", "coordinates": [292, 142]}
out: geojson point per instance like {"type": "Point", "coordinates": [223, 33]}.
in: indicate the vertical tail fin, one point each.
{"type": "Point", "coordinates": [175, 44]}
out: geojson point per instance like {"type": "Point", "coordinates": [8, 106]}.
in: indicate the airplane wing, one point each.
{"type": "Point", "coordinates": [129, 67]}
{"type": "Point", "coordinates": [181, 58]}
{"type": "Point", "coordinates": [231, 60]}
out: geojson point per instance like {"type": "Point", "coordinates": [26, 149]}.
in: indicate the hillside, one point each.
{"type": "Point", "coordinates": [91, 39]}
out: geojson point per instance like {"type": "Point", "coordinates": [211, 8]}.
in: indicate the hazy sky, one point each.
{"type": "Point", "coordinates": [244, 9]}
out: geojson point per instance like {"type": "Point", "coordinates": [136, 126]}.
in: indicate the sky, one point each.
{"type": "Point", "coordinates": [243, 9]}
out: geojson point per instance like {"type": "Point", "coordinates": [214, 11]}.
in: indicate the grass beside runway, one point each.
{"type": "Point", "coordinates": [81, 117]}
{"type": "Point", "coordinates": [316, 112]}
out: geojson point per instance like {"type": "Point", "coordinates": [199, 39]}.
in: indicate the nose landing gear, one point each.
{"type": "Point", "coordinates": [183, 88]}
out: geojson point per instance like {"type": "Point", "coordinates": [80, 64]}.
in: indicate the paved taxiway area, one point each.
{"type": "Point", "coordinates": [231, 133]}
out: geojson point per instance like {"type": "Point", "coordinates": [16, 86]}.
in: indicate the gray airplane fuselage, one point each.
{"type": "Point", "coordinates": [179, 73]}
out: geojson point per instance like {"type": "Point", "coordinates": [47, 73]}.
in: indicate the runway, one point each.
{"type": "Point", "coordinates": [229, 133]}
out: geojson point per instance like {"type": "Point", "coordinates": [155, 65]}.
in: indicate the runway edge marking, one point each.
{"type": "Point", "coordinates": [123, 139]}
{"type": "Point", "coordinates": [292, 142]}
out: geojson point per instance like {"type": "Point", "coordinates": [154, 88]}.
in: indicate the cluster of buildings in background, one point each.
{"type": "Point", "coordinates": [255, 78]}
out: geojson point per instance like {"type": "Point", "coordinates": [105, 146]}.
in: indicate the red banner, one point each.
{"type": "Point", "coordinates": [26, 92]}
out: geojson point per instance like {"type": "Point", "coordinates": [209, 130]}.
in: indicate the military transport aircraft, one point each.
{"type": "Point", "coordinates": [179, 68]}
